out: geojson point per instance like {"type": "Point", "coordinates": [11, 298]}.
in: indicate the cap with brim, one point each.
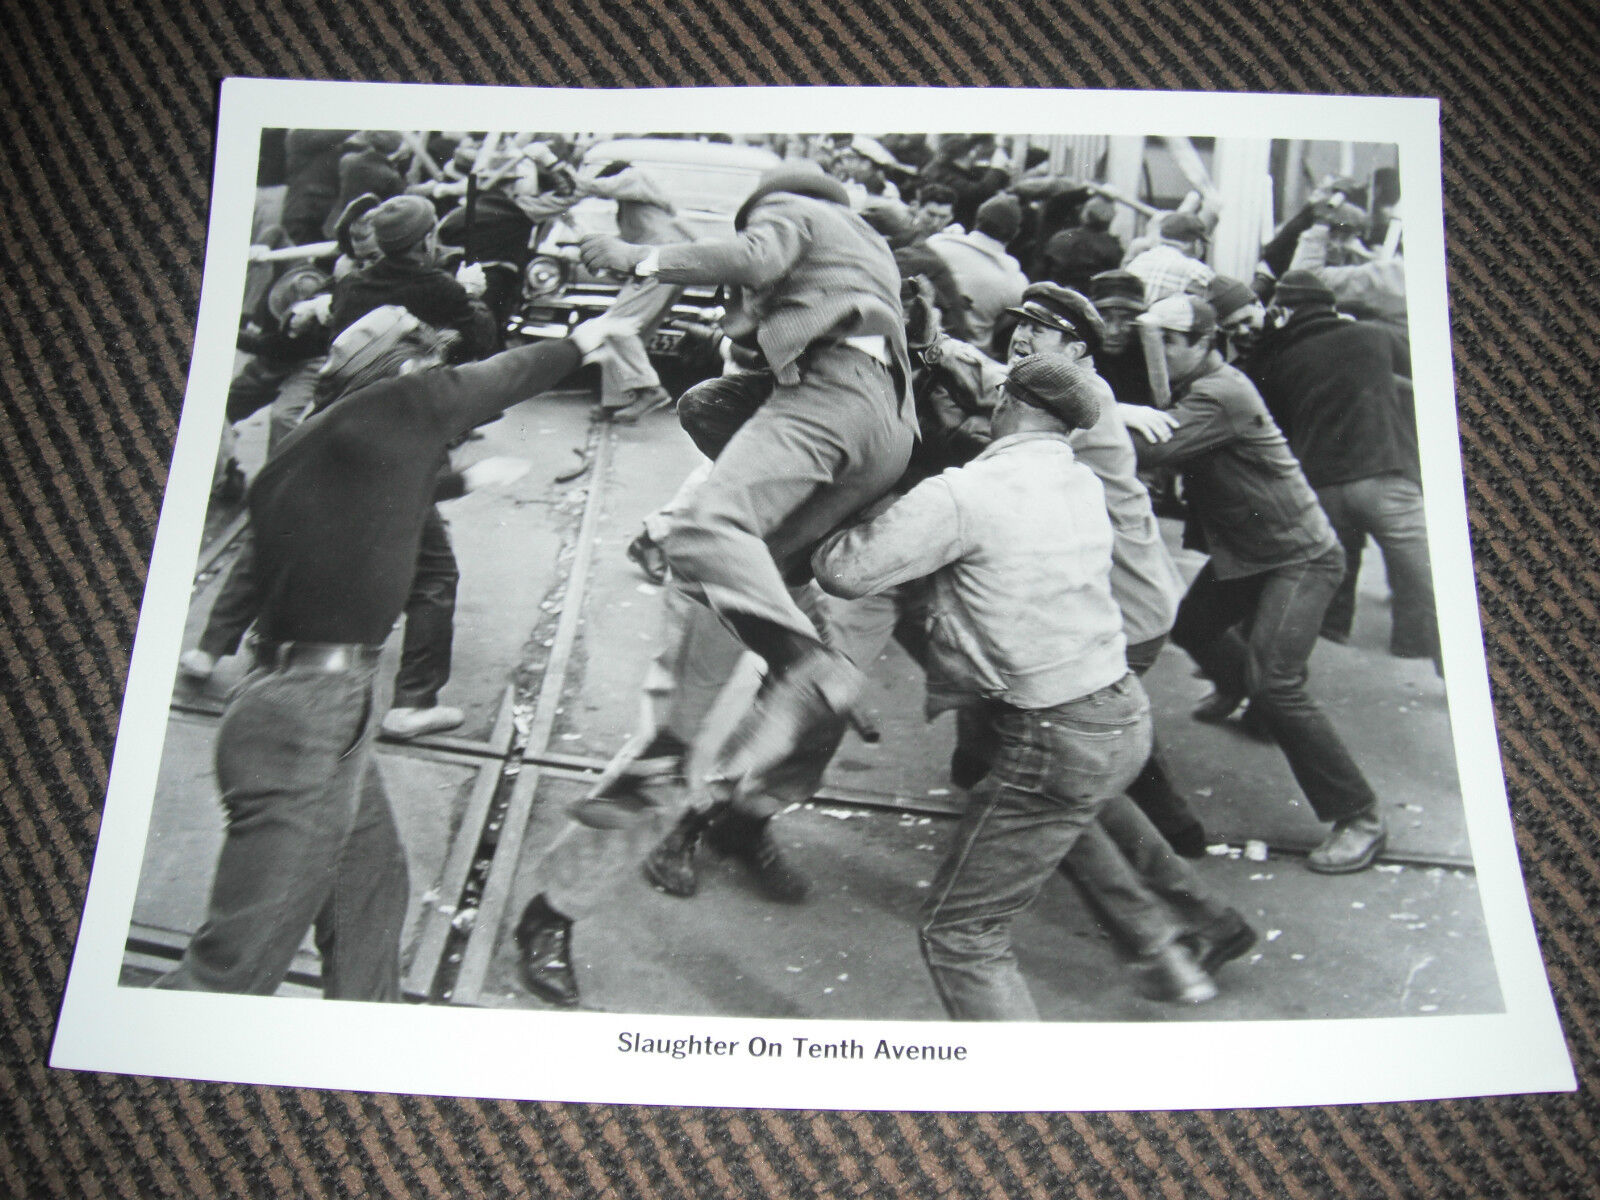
{"type": "Point", "coordinates": [1182, 227]}
{"type": "Point", "coordinates": [1117, 289]}
{"type": "Point", "coordinates": [1181, 314]}
{"type": "Point", "coordinates": [1058, 307]}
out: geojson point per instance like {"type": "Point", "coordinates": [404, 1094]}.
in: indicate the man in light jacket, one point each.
{"type": "Point", "coordinates": [1018, 547]}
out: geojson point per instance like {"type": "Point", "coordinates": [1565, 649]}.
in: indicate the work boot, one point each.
{"type": "Point", "coordinates": [749, 839]}
{"type": "Point", "coordinates": [1220, 942]}
{"type": "Point", "coordinates": [544, 937]}
{"type": "Point", "coordinates": [1217, 707]}
{"type": "Point", "coordinates": [401, 723]}
{"type": "Point", "coordinates": [1172, 974]}
{"type": "Point", "coordinates": [1352, 845]}
{"type": "Point", "coordinates": [791, 704]}
{"type": "Point", "coordinates": [670, 866]}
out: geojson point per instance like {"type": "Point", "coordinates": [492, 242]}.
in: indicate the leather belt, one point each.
{"type": "Point", "coordinates": [329, 657]}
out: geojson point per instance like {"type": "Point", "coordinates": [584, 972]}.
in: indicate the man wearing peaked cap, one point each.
{"type": "Point", "coordinates": [1021, 529]}
{"type": "Point", "coordinates": [1250, 618]}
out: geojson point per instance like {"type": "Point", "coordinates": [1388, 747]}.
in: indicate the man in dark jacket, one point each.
{"type": "Point", "coordinates": [338, 513]}
{"type": "Point", "coordinates": [1341, 392]}
{"type": "Point", "coordinates": [1275, 563]}
{"type": "Point", "coordinates": [406, 274]}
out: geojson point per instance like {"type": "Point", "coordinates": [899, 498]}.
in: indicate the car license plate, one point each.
{"type": "Point", "coordinates": [665, 341]}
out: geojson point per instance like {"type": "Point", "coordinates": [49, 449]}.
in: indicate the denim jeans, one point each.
{"type": "Point", "coordinates": [1145, 893]}
{"type": "Point", "coordinates": [310, 842]}
{"type": "Point", "coordinates": [1389, 508]}
{"type": "Point", "coordinates": [1283, 608]}
{"type": "Point", "coordinates": [1054, 770]}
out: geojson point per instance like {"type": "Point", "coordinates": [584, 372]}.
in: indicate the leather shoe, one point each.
{"type": "Point", "coordinates": [670, 866]}
{"type": "Point", "coordinates": [750, 840]}
{"type": "Point", "coordinates": [1353, 845]}
{"type": "Point", "coordinates": [544, 938]}
{"type": "Point", "coordinates": [1173, 975]}
{"type": "Point", "coordinates": [1221, 942]}
{"type": "Point", "coordinates": [1217, 707]}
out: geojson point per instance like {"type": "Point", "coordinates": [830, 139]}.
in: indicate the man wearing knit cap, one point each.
{"type": "Point", "coordinates": [1341, 392]}
{"type": "Point", "coordinates": [406, 274]}
{"type": "Point", "coordinates": [1119, 299]}
{"type": "Point", "coordinates": [1241, 317]}
{"type": "Point", "coordinates": [1017, 545]}
{"type": "Point", "coordinates": [989, 279]}
{"type": "Point", "coordinates": [1173, 265]}
{"type": "Point", "coordinates": [1250, 618]}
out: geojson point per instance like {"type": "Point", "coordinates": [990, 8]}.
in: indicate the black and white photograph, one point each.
{"type": "Point", "coordinates": [823, 597]}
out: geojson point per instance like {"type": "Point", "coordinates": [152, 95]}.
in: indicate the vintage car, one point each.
{"type": "Point", "coordinates": [707, 181]}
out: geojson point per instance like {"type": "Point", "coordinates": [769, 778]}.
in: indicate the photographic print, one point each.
{"type": "Point", "coordinates": [816, 597]}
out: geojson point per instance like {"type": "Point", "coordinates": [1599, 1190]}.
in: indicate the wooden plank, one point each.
{"type": "Point", "coordinates": [436, 921]}
{"type": "Point", "coordinates": [480, 946]}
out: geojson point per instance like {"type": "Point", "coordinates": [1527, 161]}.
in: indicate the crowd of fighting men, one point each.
{"type": "Point", "coordinates": [952, 399]}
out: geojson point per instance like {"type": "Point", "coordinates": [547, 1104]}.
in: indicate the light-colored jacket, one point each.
{"type": "Point", "coordinates": [990, 280]}
{"type": "Point", "coordinates": [1144, 579]}
{"type": "Point", "coordinates": [1018, 545]}
{"type": "Point", "coordinates": [810, 271]}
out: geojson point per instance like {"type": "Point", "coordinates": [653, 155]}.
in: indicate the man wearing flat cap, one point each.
{"type": "Point", "coordinates": [1017, 547]}
{"type": "Point", "coordinates": [1250, 618]}
{"type": "Point", "coordinates": [1173, 264]}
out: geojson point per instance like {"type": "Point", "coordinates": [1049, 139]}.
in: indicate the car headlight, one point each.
{"type": "Point", "coordinates": [543, 277]}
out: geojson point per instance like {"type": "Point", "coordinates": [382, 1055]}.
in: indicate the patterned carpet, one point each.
{"type": "Point", "coordinates": [105, 180]}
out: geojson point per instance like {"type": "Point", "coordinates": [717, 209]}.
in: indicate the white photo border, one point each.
{"type": "Point", "coordinates": [574, 1056]}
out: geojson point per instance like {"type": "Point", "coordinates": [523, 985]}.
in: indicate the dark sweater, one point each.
{"type": "Point", "coordinates": [338, 510]}
{"type": "Point", "coordinates": [428, 293]}
{"type": "Point", "coordinates": [1340, 392]}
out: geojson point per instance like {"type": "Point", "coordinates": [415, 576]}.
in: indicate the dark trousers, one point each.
{"type": "Point", "coordinates": [430, 614]}
{"type": "Point", "coordinates": [311, 843]}
{"type": "Point", "coordinates": [1389, 509]}
{"type": "Point", "coordinates": [1283, 609]}
{"type": "Point", "coordinates": [430, 619]}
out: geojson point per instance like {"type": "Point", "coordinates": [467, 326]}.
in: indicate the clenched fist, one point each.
{"type": "Point", "coordinates": [604, 252]}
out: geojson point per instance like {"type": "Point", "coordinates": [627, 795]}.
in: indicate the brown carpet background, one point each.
{"type": "Point", "coordinates": [107, 143]}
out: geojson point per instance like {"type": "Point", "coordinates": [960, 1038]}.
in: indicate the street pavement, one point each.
{"type": "Point", "coordinates": [1405, 938]}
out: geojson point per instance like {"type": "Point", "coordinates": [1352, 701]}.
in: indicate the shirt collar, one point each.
{"type": "Point", "coordinates": [1010, 441]}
